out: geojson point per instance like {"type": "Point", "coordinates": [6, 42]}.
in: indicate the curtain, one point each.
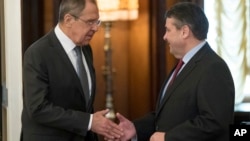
{"type": "Point", "coordinates": [229, 34]}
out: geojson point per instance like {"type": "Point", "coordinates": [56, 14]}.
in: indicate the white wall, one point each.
{"type": "Point", "coordinates": [13, 67]}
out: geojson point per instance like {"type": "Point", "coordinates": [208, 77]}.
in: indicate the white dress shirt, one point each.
{"type": "Point", "coordinates": [68, 46]}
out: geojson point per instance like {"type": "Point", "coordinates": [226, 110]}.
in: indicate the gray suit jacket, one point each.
{"type": "Point", "coordinates": [54, 104]}
{"type": "Point", "coordinates": [198, 106]}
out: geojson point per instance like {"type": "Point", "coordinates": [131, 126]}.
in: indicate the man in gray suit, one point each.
{"type": "Point", "coordinates": [198, 105]}
{"type": "Point", "coordinates": [55, 105]}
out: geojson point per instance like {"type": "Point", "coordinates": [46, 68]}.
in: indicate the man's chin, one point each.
{"type": "Point", "coordinates": [85, 43]}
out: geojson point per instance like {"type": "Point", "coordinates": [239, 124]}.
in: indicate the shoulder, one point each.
{"type": "Point", "coordinates": [42, 44]}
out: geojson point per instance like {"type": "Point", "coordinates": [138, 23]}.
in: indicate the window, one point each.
{"type": "Point", "coordinates": [229, 36]}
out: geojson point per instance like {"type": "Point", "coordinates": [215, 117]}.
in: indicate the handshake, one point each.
{"type": "Point", "coordinates": [123, 131]}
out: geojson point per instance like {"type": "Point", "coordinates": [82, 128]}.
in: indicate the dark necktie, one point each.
{"type": "Point", "coordinates": [177, 69]}
{"type": "Point", "coordinates": [81, 72]}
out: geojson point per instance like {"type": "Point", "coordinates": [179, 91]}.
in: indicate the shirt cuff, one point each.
{"type": "Point", "coordinates": [90, 121]}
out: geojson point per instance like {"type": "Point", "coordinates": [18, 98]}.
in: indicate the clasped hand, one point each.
{"type": "Point", "coordinates": [127, 131]}
{"type": "Point", "coordinates": [127, 128]}
{"type": "Point", "coordinates": [103, 126]}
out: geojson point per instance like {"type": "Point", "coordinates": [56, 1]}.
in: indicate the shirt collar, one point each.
{"type": "Point", "coordinates": [65, 41]}
{"type": "Point", "coordinates": [192, 52]}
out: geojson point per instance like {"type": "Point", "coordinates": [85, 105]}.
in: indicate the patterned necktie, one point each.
{"type": "Point", "coordinates": [81, 72]}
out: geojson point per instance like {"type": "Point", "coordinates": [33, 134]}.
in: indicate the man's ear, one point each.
{"type": "Point", "coordinates": [68, 20]}
{"type": "Point", "coordinates": [186, 32]}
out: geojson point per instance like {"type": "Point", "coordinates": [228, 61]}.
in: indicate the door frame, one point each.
{"type": "Point", "coordinates": [1, 44]}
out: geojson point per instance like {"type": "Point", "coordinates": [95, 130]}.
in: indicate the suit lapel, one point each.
{"type": "Point", "coordinates": [64, 58]}
{"type": "Point", "coordinates": [171, 89]}
{"type": "Point", "coordinates": [183, 74]}
{"type": "Point", "coordinates": [160, 100]}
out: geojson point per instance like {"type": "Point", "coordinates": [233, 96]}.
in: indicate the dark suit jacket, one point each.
{"type": "Point", "coordinates": [54, 105]}
{"type": "Point", "coordinates": [198, 106]}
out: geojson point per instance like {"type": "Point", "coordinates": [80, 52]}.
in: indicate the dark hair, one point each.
{"type": "Point", "coordinates": [187, 13]}
{"type": "Point", "coordinates": [73, 7]}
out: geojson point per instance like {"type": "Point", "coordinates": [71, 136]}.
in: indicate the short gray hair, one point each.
{"type": "Point", "coordinates": [73, 7]}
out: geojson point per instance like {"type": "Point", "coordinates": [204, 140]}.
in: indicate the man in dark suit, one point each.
{"type": "Point", "coordinates": [198, 105]}
{"type": "Point", "coordinates": [55, 105]}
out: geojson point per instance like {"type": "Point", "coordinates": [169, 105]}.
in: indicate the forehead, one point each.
{"type": "Point", "coordinates": [90, 11]}
{"type": "Point", "coordinates": [170, 22]}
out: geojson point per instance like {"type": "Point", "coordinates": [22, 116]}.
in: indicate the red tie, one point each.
{"type": "Point", "coordinates": [177, 69]}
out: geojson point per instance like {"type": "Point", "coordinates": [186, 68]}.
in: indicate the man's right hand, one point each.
{"type": "Point", "coordinates": [103, 126]}
{"type": "Point", "coordinates": [128, 127]}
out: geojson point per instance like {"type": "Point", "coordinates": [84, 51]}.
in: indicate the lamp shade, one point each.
{"type": "Point", "coordinates": [115, 10]}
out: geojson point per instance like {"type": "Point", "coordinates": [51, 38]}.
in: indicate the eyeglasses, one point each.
{"type": "Point", "coordinates": [89, 22]}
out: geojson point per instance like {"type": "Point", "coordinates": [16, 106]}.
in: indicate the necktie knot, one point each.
{"type": "Point", "coordinates": [179, 65]}
{"type": "Point", "coordinates": [78, 51]}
